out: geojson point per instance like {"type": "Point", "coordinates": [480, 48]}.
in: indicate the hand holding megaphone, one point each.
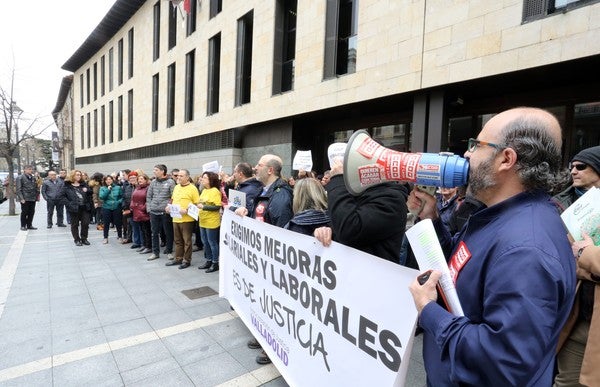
{"type": "Point", "coordinates": [422, 204]}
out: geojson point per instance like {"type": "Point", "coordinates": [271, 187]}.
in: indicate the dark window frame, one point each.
{"type": "Point", "coordinates": [81, 90]}
{"type": "Point", "coordinates": [130, 113]}
{"type": "Point", "coordinates": [102, 75]}
{"type": "Point", "coordinates": [539, 9]}
{"type": "Point", "coordinates": [111, 65]}
{"type": "Point", "coordinates": [190, 64]}
{"type": "Point", "coordinates": [95, 128]}
{"type": "Point", "coordinates": [95, 83]}
{"type": "Point", "coordinates": [111, 122]}
{"type": "Point", "coordinates": [120, 58]}
{"type": "Point", "coordinates": [156, 32]}
{"type": "Point", "coordinates": [243, 61]}
{"type": "Point", "coordinates": [171, 74]}
{"type": "Point", "coordinates": [214, 75]}
{"type": "Point", "coordinates": [341, 32]}
{"type": "Point", "coordinates": [284, 50]}
{"type": "Point", "coordinates": [87, 86]}
{"type": "Point", "coordinates": [89, 130]}
{"type": "Point", "coordinates": [130, 48]}
{"type": "Point", "coordinates": [215, 8]}
{"type": "Point", "coordinates": [155, 99]}
{"type": "Point", "coordinates": [82, 132]}
{"type": "Point", "coordinates": [120, 118]}
{"type": "Point", "coordinates": [102, 125]}
{"type": "Point", "coordinates": [191, 19]}
{"type": "Point", "coordinates": [172, 27]}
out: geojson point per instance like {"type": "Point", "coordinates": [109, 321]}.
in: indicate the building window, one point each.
{"type": "Point", "coordinates": [130, 53]}
{"type": "Point", "coordinates": [189, 85]}
{"type": "Point", "coordinates": [216, 6]}
{"type": "Point", "coordinates": [214, 74]}
{"type": "Point", "coordinates": [155, 102]}
{"type": "Point", "coordinates": [130, 114]}
{"type": "Point", "coordinates": [285, 45]}
{"type": "Point", "coordinates": [191, 19]}
{"type": "Point", "coordinates": [82, 129]}
{"type": "Point", "coordinates": [102, 77]}
{"type": "Point", "coordinates": [156, 35]}
{"type": "Point", "coordinates": [172, 27]}
{"type": "Point", "coordinates": [120, 62]}
{"type": "Point", "coordinates": [102, 125]}
{"type": "Point", "coordinates": [95, 127]}
{"type": "Point", "coordinates": [87, 85]}
{"type": "Point", "coordinates": [95, 81]}
{"type": "Point", "coordinates": [171, 95]}
{"type": "Point", "coordinates": [111, 62]}
{"type": "Point", "coordinates": [243, 63]}
{"type": "Point", "coordinates": [340, 37]}
{"type": "Point", "coordinates": [537, 9]}
{"type": "Point", "coordinates": [111, 121]}
{"type": "Point", "coordinates": [89, 131]}
{"type": "Point", "coordinates": [81, 90]}
{"type": "Point", "coordinates": [120, 118]}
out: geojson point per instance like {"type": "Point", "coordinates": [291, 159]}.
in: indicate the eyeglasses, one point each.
{"type": "Point", "coordinates": [579, 167]}
{"type": "Point", "coordinates": [474, 143]}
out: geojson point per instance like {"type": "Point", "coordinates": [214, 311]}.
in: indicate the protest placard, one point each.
{"type": "Point", "coordinates": [302, 161]}
{"type": "Point", "coordinates": [324, 315]}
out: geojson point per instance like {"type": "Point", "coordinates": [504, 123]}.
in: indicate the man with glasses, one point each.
{"type": "Point", "coordinates": [576, 358]}
{"type": "Point", "coordinates": [272, 205]}
{"type": "Point", "coordinates": [511, 263]}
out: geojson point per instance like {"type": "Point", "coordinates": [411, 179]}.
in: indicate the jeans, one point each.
{"type": "Point", "coordinates": [50, 206]}
{"type": "Point", "coordinates": [112, 216]}
{"type": "Point", "coordinates": [210, 238]}
{"type": "Point", "coordinates": [137, 233]}
{"type": "Point", "coordinates": [160, 223]}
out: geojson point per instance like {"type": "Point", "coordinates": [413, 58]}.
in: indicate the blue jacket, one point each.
{"type": "Point", "coordinates": [516, 291]}
{"type": "Point", "coordinates": [275, 205]}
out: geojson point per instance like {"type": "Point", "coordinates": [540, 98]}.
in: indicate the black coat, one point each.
{"type": "Point", "coordinates": [373, 222]}
{"type": "Point", "coordinates": [68, 196]}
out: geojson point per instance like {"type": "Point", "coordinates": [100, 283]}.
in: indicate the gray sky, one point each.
{"type": "Point", "coordinates": [36, 39]}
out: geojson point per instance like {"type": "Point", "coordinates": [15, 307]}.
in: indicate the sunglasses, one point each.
{"type": "Point", "coordinates": [579, 167]}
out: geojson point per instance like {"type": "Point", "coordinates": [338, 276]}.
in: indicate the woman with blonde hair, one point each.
{"type": "Point", "coordinates": [77, 198]}
{"type": "Point", "coordinates": [309, 206]}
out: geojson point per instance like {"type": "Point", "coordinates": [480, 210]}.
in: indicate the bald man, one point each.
{"type": "Point", "coordinates": [512, 263]}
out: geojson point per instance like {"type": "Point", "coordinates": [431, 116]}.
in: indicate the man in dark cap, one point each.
{"type": "Point", "coordinates": [573, 360]}
{"type": "Point", "coordinates": [585, 171]}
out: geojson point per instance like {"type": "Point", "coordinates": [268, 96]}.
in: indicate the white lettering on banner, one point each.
{"type": "Point", "coordinates": [321, 318]}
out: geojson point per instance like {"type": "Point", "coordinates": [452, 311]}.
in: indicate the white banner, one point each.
{"type": "Point", "coordinates": [325, 315]}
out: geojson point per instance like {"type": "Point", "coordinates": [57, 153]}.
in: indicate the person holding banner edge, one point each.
{"type": "Point", "coordinates": [511, 263]}
{"type": "Point", "coordinates": [272, 205]}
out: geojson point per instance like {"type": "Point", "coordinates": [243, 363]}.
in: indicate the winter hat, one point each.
{"type": "Point", "coordinates": [591, 157]}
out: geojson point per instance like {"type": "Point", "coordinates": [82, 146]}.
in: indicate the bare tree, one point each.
{"type": "Point", "coordinates": [11, 139]}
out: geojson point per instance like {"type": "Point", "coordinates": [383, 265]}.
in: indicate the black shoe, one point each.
{"type": "Point", "coordinates": [263, 358]}
{"type": "Point", "coordinates": [78, 243]}
{"type": "Point", "coordinates": [85, 242]}
{"type": "Point", "coordinates": [61, 225]}
{"type": "Point", "coordinates": [23, 228]}
{"type": "Point", "coordinates": [213, 268]}
{"type": "Point", "coordinates": [253, 344]}
{"type": "Point", "coordinates": [184, 265]}
{"type": "Point", "coordinates": [135, 246]}
{"type": "Point", "coordinates": [32, 228]}
{"type": "Point", "coordinates": [49, 226]}
{"type": "Point", "coordinates": [206, 265]}
{"type": "Point", "coordinates": [173, 263]}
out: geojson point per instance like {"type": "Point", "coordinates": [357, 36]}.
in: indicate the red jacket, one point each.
{"type": "Point", "coordinates": [138, 204]}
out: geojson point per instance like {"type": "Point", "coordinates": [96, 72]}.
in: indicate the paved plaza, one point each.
{"type": "Point", "coordinates": [102, 315]}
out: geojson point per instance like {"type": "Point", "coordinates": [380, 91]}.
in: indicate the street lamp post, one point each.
{"type": "Point", "coordinates": [17, 111]}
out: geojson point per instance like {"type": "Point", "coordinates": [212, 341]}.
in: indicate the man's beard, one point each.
{"type": "Point", "coordinates": [482, 177]}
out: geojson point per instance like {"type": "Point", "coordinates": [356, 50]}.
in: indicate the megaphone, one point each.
{"type": "Point", "coordinates": [366, 163]}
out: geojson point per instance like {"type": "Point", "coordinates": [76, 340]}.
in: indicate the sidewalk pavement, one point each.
{"type": "Point", "coordinates": [102, 315]}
